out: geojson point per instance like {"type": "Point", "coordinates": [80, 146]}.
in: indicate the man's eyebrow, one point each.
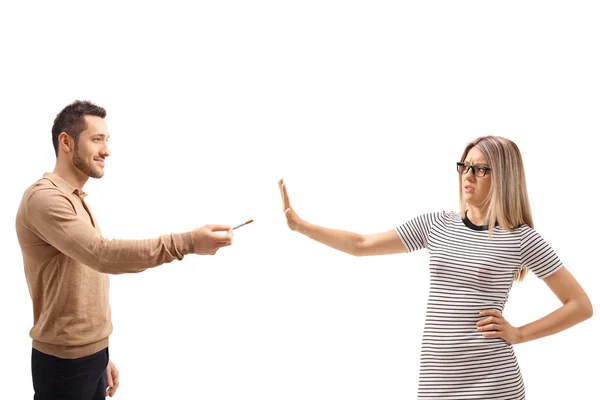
{"type": "Point", "coordinates": [101, 134]}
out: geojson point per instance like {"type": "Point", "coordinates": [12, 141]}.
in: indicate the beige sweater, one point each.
{"type": "Point", "coordinates": [66, 263]}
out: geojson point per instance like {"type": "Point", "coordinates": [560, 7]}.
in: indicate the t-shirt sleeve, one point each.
{"type": "Point", "coordinates": [415, 232]}
{"type": "Point", "coordinates": [537, 255]}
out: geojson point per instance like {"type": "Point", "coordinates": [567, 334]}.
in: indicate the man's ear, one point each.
{"type": "Point", "coordinates": [66, 142]}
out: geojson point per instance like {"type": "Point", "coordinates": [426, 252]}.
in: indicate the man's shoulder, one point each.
{"type": "Point", "coordinates": [34, 196]}
{"type": "Point", "coordinates": [40, 191]}
{"type": "Point", "coordinates": [41, 184]}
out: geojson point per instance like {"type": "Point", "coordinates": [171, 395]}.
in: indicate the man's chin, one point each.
{"type": "Point", "coordinates": [96, 174]}
{"type": "Point", "coordinates": [92, 171]}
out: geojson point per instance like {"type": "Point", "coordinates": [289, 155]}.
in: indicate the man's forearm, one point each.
{"type": "Point", "coordinates": [127, 256]}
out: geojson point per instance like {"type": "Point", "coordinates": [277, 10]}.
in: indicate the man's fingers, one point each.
{"type": "Point", "coordinates": [110, 383]}
{"type": "Point", "coordinates": [218, 227]}
{"type": "Point", "coordinates": [115, 378]}
{"type": "Point", "coordinates": [221, 240]}
{"type": "Point", "coordinates": [109, 378]}
{"type": "Point", "coordinates": [221, 236]}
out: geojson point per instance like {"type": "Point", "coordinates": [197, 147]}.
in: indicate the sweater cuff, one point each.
{"type": "Point", "coordinates": [184, 243]}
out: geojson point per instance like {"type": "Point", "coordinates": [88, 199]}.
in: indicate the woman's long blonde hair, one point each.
{"type": "Point", "coordinates": [507, 201]}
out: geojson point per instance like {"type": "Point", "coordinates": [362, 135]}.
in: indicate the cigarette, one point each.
{"type": "Point", "coordinates": [245, 223]}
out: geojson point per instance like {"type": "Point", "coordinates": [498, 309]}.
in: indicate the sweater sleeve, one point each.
{"type": "Point", "coordinates": [52, 216]}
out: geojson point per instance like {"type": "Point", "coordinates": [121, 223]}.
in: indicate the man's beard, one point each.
{"type": "Point", "coordinates": [83, 167]}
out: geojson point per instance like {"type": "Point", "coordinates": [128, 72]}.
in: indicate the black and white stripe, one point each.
{"type": "Point", "coordinates": [470, 272]}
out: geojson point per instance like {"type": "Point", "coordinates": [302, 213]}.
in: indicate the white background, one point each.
{"type": "Point", "coordinates": [363, 107]}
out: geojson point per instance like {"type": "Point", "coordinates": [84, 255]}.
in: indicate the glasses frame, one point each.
{"type": "Point", "coordinates": [472, 168]}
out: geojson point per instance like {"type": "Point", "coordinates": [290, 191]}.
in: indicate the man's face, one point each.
{"type": "Point", "coordinates": [91, 149]}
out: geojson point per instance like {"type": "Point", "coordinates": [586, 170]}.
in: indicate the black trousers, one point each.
{"type": "Point", "coordinates": [61, 379]}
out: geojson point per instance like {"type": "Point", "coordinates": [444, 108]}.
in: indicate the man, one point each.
{"type": "Point", "coordinates": [67, 260]}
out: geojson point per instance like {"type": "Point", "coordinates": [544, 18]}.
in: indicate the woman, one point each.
{"type": "Point", "coordinates": [475, 256]}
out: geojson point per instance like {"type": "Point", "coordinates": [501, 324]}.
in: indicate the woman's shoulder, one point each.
{"type": "Point", "coordinates": [524, 228]}
{"type": "Point", "coordinates": [445, 217]}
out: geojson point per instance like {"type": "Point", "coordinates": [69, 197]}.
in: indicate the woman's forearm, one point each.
{"type": "Point", "coordinates": [571, 313]}
{"type": "Point", "coordinates": [348, 242]}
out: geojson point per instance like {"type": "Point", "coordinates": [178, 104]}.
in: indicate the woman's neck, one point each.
{"type": "Point", "coordinates": [477, 215]}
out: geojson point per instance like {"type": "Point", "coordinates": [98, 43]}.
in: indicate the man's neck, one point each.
{"type": "Point", "coordinates": [72, 175]}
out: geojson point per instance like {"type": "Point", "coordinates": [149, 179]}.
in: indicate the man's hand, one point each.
{"type": "Point", "coordinates": [112, 379]}
{"type": "Point", "coordinates": [210, 238]}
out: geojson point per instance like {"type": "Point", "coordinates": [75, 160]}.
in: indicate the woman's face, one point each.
{"type": "Point", "coordinates": [475, 187]}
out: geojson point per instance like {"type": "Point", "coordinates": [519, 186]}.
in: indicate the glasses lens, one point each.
{"type": "Point", "coordinates": [477, 170]}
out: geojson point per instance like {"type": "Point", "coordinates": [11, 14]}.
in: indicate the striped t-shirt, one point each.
{"type": "Point", "coordinates": [471, 272]}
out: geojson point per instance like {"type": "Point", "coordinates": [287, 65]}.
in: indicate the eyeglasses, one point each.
{"type": "Point", "coordinates": [478, 170]}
